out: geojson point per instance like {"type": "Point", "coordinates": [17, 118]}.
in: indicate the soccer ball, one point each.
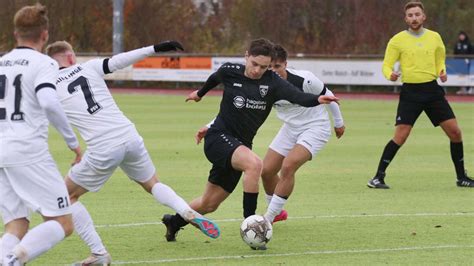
{"type": "Point", "coordinates": [256, 231]}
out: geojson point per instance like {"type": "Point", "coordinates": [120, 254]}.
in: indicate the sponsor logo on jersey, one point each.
{"type": "Point", "coordinates": [239, 101]}
{"type": "Point", "coordinates": [263, 90]}
{"type": "Point", "coordinates": [237, 85]}
{"type": "Point", "coordinates": [255, 104]}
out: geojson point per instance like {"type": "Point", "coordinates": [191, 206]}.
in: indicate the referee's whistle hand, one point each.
{"type": "Point", "coordinates": [394, 76]}
{"type": "Point", "coordinates": [193, 96]}
{"type": "Point", "coordinates": [442, 76]}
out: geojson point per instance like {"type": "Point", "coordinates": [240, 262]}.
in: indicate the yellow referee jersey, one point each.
{"type": "Point", "coordinates": [421, 57]}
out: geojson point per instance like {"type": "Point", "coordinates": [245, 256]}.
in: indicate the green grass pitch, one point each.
{"type": "Point", "coordinates": [334, 217]}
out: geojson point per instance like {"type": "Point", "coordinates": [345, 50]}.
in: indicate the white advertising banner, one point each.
{"type": "Point", "coordinates": [330, 71]}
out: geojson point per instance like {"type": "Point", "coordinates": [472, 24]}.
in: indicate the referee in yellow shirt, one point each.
{"type": "Point", "coordinates": [421, 54]}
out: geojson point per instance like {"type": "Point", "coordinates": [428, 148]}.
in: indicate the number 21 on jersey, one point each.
{"type": "Point", "coordinates": [17, 115]}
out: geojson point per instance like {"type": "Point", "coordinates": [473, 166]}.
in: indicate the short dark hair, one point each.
{"type": "Point", "coordinates": [261, 47]}
{"type": "Point", "coordinates": [280, 53]}
{"type": "Point", "coordinates": [414, 4]}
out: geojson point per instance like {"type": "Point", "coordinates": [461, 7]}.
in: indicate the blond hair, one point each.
{"type": "Point", "coordinates": [31, 21]}
{"type": "Point", "coordinates": [58, 47]}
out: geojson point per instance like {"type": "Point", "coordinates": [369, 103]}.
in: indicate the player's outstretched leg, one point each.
{"type": "Point", "coordinates": [174, 223]}
{"type": "Point", "coordinates": [207, 227]}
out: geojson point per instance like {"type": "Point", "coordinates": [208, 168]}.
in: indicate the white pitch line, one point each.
{"type": "Point", "coordinates": [322, 252]}
{"type": "Point", "coordinates": [310, 217]}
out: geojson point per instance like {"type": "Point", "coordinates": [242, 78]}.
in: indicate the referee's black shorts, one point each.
{"type": "Point", "coordinates": [418, 97]}
{"type": "Point", "coordinates": [218, 148]}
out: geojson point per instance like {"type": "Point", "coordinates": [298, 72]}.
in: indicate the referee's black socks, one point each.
{"type": "Point", "coordinates": [457, 155]}
{"type": "Point", "coordinates": [388, 153]}
{"type": "Point", "coordinates": [250, 203]}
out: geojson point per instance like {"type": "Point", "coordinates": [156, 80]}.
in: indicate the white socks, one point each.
{"type": "Point", "coordinates": [9, 241]}
{"type": "Point", "coordinates": [274, 208]}
{"type": "Point", "coordinates": [39, 240]}
{"type": "Point", "coordinates": [166, 196]}
{"type": "Point", "coordinates": [84, 227]}
{"type": "Point", "coordinates": [268, 198]}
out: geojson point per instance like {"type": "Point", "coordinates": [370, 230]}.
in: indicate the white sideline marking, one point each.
{"type": "Point", "coordinates": [310, 217]}
{"type": "Point", "coordinates": [322, 252]}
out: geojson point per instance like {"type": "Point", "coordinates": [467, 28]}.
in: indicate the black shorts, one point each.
{"type": "Point", "coordinates": [218, 148]}
{"type": "Point", "coordinates": [418, 97]}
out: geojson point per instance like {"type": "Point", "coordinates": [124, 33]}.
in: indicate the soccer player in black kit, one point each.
{"type": "Point", "coordinates": [249, 93]}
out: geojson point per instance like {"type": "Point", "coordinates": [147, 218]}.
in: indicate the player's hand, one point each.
{"type": "Point", "coordinates": [201, 134]}
{"type": "Point", "coordinates": [325, 99]}
{"type": "Point", "coordinates": [193, 96]}
{"type": "Point", "coordinates": [78, 153]}
{"type": "Point", "coordinates": [443, 76]}
{"type": "Point", "coordinates": [394, 76]}
{"type": "Point", "coordinates": [167, 46]}
{"type": "Point", "coordinates": [339, 131]}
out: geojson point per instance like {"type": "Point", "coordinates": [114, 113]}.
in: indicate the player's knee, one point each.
{"type": "Point", "coordinates": [455, 135]}
{"type": "Point", "coordinates": [400, 140]}
{"type": "Point", "coordinates": [66, 223]}
{"type": "Point", "coordinates": [288, 170]}
{"type": "Point", "coordinates": [266, 173]}
{"type": "Point", "coordinates": [257, 165]}
{"type": "Point", "coordinates": [210, 207]}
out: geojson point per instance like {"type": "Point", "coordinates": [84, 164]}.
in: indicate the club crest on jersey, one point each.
{"type": "Point", "coordinates": [239, 101]}
{"type": "Point", "coordinates": [263, 90]}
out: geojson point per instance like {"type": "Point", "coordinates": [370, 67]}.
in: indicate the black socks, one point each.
{"type": "Point", "coordinates": [457, 155]}
{"type": "Point", "coordinates": [388, 153]}
{"type": "Point", "coordinates": [179, 220]}
{"type": "Point", "coordinates": [250, 203]}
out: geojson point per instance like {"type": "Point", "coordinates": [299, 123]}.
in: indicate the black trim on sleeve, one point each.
{"type": "Point", "coordinates": [297, 81]}
{"type": "Point", "coordinates": [105, 66]}
{"type": "Point", "coordinates": [44, 85]}
{"type": "Point", "coordinates": [323, 92]}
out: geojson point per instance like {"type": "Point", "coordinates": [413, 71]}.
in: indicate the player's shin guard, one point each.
{"type": "Point", "coordinates": [9, 241]}
{"type": "Point", "coordinates": [250, 203]}
{"type": "Point", "coordinates": [275, 207]}
{"type": "Point", "coordinates": [85, 228]}
{"type": "Point", "coordinates": [388, 153]}
{"type": "Point", "coordinates": [39, 240]}
{"type": "Point", "coordinates": [168, 197]}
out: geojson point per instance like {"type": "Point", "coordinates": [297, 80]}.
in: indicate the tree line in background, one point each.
{"type": "Point", "coordinates": [225, 27]}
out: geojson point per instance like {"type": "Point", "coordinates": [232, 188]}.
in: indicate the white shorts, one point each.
{"type": "Point", "coordinates": [38, 187]}
{"type": "Point", "coordinates": [312, 138]}
{"type": "Point", "coordinates": [96, 167]}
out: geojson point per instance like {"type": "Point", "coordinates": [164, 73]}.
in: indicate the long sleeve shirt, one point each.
{"type": "Point", "coordinates": [421, 57]}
